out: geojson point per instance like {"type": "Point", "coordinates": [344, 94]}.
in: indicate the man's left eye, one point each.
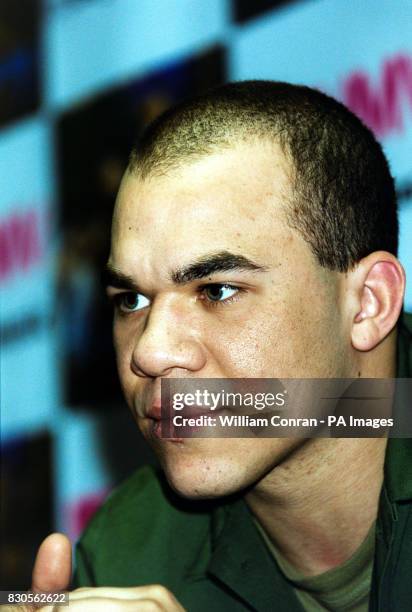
{"type": "Point", "coordinates": [219, 293]}
{"type": "Point", "coordinates": [131, 301]}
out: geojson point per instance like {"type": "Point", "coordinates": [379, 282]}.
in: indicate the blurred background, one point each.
{"type": "Point", "coordinates": [79, 79]}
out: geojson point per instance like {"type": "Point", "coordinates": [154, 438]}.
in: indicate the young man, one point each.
{"type": "Point", "coordinates": [254, 236]}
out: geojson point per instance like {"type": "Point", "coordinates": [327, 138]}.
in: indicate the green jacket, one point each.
{"type": "Point", "coordinates": [211, 556]}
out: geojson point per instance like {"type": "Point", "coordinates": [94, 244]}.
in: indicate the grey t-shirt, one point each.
{"type": "Point", "coordinates": [342, 589]}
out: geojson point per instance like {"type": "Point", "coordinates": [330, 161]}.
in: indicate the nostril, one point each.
{"type": "Point", "coordinates": [138, 370]}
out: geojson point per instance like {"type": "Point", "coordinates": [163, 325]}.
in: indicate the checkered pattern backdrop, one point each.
{"type": "Point", "coordinates": [78, 80]}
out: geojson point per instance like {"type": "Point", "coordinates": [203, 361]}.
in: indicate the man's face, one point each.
{"type": "Point", "coordinates": [277, 321]}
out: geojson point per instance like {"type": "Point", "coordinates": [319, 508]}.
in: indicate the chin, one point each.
{"type": "Point", "coordinates": [210, 468]}
{"type": "Point", "coordinates": [203, 478]}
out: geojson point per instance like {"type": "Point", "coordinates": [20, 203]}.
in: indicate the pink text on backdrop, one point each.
{"type": "Point", "coordinates": [381, 107]}
{"type": "Point", "coordinates": [21, 244]}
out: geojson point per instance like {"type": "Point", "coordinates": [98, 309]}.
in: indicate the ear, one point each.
{"type": "Point", "coordinates": [378, 285]}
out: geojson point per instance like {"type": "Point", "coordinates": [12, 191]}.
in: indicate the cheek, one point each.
{"type": "Point", "coordinates": [309, 337]}
{"type": "Point", "coordinates": [289, 338]}
{"type": "Point", "coordinates": [124, 348]}
{"type": "Point", "coordinates": [245, 348]}
{"type": "Point", "coordinates": [120, 344]}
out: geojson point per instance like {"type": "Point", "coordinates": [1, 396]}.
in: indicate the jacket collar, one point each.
{"type": "Point", "coordinates": [242, 562]}
{"type": "Point", "coordinates": [398, 460]}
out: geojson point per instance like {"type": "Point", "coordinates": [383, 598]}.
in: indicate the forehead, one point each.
{"type": "Point", "coordinates": [233, 199]}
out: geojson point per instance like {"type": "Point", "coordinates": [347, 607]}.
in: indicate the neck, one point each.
{"type": "Point", "coordinates": [318, 505]}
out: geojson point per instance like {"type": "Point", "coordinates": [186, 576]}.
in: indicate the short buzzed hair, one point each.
{"type": "Point", "coordinates": [343, 199]}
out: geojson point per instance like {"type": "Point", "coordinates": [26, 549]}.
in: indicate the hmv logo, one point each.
{"type": "Point", "coordinates": [383, 106]}
{"type": "Point", "coordinates": [20, 243]}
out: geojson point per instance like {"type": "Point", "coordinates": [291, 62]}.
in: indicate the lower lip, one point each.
{"type": "Point", "coordinates": [157, 433]}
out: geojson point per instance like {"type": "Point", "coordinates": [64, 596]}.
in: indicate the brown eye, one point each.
{"type": "Point", "coordinates": [131, 301]}
{"type": "Point", "coordinates": [217, 292]}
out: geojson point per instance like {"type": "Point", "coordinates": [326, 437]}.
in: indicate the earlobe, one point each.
{"type": "Point", "coordinates": [380, 281]}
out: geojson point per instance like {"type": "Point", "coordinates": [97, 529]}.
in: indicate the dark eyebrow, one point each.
{"type": "Point", "coordinates": [222, 261]}
{"type": "Point", "coordinates": [115, 278]}
{"type": "Point", "coordinates": [203, 267]}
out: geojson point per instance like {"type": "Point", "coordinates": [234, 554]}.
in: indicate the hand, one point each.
{"type": "Point", "coordinates": [153, 598]}
{"type": "Point", "coordinates": [52, 572]}
{"type": "Point", "coordinates": [52, 569]}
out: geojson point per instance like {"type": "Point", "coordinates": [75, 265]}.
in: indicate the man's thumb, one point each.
{"type": "Point", "coordinates": [53, 566]}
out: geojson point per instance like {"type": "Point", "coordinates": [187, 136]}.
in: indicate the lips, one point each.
{"type": "Point", "coordinates": [161, 416]}
{"type": "Point", "coordinates": [155, 412]}
{"type": "Point", "coordinates": [160, 425]}
{"type": "Point", "coordinates": [158, 413]}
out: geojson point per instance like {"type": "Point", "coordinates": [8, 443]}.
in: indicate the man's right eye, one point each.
{"type": "Point", "coordinates": [130, 301]}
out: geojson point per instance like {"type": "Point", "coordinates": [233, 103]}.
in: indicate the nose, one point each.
{"type": "Point", "coordinates": [169, 340]}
